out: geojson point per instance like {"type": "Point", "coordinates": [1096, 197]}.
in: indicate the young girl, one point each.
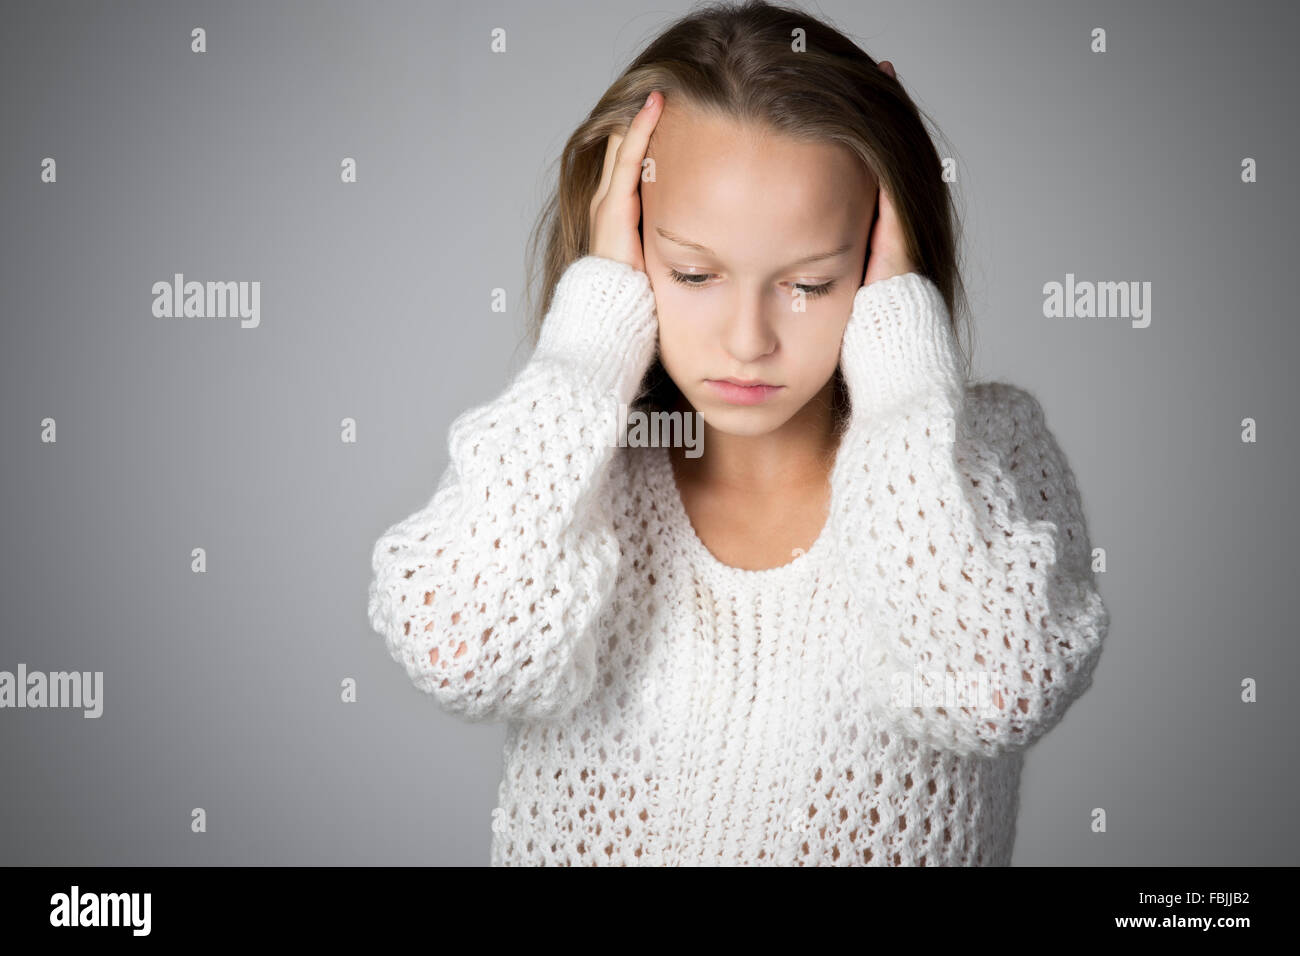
{"type": "Point", "coordinates": [829, 638]}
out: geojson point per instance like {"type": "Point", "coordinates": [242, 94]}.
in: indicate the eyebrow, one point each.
{"type": "Point", "coordinates": [815, 257]}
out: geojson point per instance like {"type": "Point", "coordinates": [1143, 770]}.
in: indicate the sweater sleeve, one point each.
{"type": "Point", "coordinates": [964, 532]}
{"type": "Point", "coordinates": [490, 595]}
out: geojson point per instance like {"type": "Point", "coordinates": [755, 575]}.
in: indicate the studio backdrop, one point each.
{"type": "Point", "coordinates": [191, 499]}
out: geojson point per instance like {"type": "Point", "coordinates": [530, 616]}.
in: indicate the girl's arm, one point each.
{"type": "Point", "coordinates": [963, 531]}
{"type": "Point", "coordinates": [490, 594]}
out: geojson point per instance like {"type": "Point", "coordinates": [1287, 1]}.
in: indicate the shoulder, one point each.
{"type": "Point", "coordinates": [1006, 416]}
{"type": "Point", "coordinates": [1011, 420]}
{"type": "Point", "coordinates": [1002, 402]}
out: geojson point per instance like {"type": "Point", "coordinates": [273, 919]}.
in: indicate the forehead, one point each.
{"type": "Point", "coordinates": [716, 164]}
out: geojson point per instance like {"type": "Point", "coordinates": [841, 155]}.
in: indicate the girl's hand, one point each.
{"type": "Point", "coordinates": [887, 247]}
{"type": "Point", "coordinates": [616, 206]}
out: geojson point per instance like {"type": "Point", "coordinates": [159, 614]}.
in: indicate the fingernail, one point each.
{"type": "Point", "coordinates": [649, 99]}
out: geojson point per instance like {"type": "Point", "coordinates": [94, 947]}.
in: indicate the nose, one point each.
{"type": "Point", "coordinates": [750, 332]}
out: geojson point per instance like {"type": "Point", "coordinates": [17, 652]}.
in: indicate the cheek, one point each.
{"type": "Point", "coordinates": [817, 334]}
{"type": "Point", "coordinates": [681, 317]}
{"type": "Point", "coordinates": [680, 338]}
{"type": "Point", "coordinates": [816, 351]}
{"type": "Point", "coordinates": [811, 345]}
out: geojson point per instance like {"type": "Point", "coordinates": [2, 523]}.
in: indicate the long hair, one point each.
{"type": "Point", "coordinates": [776, 67]}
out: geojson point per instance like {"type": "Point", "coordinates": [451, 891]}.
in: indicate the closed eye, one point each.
{"type": "Point", "coordinates": [815, 290]}
{"type": "Point", "coordinates": [699, 279]}
{"type": "Point", "coordinates": [687, 278]}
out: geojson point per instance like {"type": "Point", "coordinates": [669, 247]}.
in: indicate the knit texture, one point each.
{"type": "Point", "coordinates": [869, 702]}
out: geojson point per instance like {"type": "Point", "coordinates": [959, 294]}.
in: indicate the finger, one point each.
{"type": "Point", "coordinates": [631, 152]}
{"type": "Point", "coordinates": [887, 68]}
{"type": "Point", "coordinates": [885, 210]}
{"type": "Point", "coordinates": [872, 229]}
{"type": "Point", "coordinates": [607, 172]}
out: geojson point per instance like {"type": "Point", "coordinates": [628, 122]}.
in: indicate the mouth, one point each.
{"type": "Point", "coordinates": [744, 382]}
{"type": "Point", "coordinates": [739, 391]}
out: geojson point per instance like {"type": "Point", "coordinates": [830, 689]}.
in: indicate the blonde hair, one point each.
{"type": "Point", "coordinates": [739, 61]}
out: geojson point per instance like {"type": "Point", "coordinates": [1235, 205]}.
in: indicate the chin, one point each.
{"type": "Point", "coordinates": [741, 420]}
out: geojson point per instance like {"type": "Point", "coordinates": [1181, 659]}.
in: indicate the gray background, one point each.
{"type": "Point", "coordinates": [222, 689]}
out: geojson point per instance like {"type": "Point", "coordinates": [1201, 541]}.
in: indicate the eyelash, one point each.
{"type": "Point", "coordinates": [812, 291]}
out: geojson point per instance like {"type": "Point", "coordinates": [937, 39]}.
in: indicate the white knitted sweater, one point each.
{"type": "Point", "coordinates": [666, 708]}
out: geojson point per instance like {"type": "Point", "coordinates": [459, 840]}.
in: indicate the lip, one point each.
{"type": "Point", "coordinates": [746, 382]}
{"type": "Point", "coordinates": [730, 391]}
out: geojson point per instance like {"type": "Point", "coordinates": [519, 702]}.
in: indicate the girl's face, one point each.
{"type": "Point", "coordinates": [729, 225]}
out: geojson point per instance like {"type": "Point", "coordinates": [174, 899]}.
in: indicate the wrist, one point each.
{"type": "Point", "coordinates": [898, 344]}
{"type": "Point", "coordinates": [602, 321]}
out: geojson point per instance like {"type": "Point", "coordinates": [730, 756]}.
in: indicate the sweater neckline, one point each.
{"type": "Point", "coordinates": [682, 532]}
